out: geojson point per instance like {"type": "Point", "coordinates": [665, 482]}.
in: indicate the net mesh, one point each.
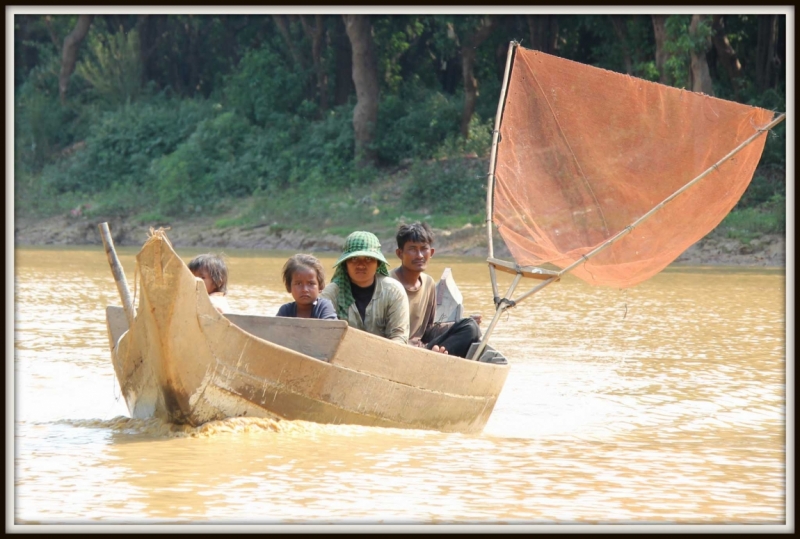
{"type": "Point", "coordinates": [585, 152]}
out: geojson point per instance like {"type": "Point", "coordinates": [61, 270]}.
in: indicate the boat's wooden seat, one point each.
{"type": "Point", "coordinates": [315, 338]}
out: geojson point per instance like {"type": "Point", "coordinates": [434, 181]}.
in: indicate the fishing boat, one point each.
{"type": "Point", "coordinates": [183, 361]}
{"type": "Point", "coordinates": [591, 172]}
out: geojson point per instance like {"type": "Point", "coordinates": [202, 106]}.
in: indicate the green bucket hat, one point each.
{"type": "Point", "coordinates": [357, 244]}
{"type": "Point", "coordinates": [361, 243]}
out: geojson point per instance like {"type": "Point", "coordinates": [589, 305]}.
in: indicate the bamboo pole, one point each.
{"type": "Point", "coordinates": [493, 162]}
{"type": "Point", "coordinates": [119, 275]}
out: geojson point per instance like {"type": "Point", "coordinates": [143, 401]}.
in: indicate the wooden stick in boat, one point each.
{"type": "Point", "coordinates": [119, 275]}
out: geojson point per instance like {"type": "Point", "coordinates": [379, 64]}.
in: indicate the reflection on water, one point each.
{"type": "Point", "coordinates": [664, 403]}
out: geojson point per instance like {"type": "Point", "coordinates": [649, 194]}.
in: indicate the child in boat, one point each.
{"type": "Point", "coordinates": [211, 269]}
{"type": "Point", "coordinates": [304, 278]}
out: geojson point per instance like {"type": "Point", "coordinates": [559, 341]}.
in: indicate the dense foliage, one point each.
{"type": "Point", "coordinates": [175, 115]}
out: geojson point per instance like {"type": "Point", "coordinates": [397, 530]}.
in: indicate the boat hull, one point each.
{"type": "Point", "coordinates": [186, 363]}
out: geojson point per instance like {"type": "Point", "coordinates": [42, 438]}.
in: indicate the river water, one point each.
{"type": "Point", "coordinates": [662, 404]}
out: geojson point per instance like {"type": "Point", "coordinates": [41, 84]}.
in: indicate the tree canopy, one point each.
{"type": "Point", "coordinates": [197, 107]}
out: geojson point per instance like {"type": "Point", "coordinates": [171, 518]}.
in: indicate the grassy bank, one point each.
{"type": "Point", "coordinates": [420, 190]}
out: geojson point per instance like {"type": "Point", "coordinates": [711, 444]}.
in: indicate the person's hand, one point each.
{"type": "Point", "coordinates": [478, 318]}
{"type": "Point", "coordinates": [440, 349]}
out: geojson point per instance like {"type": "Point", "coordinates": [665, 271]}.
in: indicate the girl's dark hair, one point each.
{"type": "Point", "coordinates": [302, 261]}
{"type": "Point", "coordinates": [416, 232]}
{"type": "Point", "coordinates": [215, 266]}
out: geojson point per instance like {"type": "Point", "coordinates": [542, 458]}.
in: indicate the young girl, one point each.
{"type": "Point", "coordinates": [211, 269]}
{"type": "Point", "coordinates": [304, 278]}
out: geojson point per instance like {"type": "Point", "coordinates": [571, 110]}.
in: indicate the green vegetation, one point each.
{"type": "Point", "coordinates": [252, 125]}
{"type": "Point", "coordinates": [379, 205]}
{"type": "Point", "coordinates": [749, 223]}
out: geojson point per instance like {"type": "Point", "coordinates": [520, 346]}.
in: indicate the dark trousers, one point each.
{"type": "Point", "coordinates": [456, 338]}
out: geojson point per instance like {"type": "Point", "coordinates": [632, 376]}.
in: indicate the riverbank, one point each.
{"type": "Point", "coordinates": [714, 249]}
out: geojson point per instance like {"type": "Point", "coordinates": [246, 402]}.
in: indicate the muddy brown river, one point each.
{"type": "Point", "coordinates": [664, 404]}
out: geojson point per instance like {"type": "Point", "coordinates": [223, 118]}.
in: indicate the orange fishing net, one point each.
{"type": "Point", "coordinates": [585, 152]}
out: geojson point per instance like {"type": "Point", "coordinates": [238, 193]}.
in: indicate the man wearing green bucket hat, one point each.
{"type": "Point", "coordinates": [362, 292]}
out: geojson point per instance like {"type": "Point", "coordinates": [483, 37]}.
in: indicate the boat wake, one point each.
{"type": "Point", "coordinates": [158, 428]}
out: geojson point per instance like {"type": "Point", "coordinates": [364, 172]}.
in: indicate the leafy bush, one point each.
{"type": "Point", "coordinates": [292, 151]}
{"type": "Point", "coordinates": [114, 67]}
{"type": "Point", "coordinates": [769, 179]}
{"type": "Point", "coordinates": [196, 173]}
{"type": "Point", "coordinates": [118, 200]}
{"type": "Point", "coordinates": [32, 198]}
{"type": "Point", "coordinates": [42, 125]}
{"type": "Point", "coordinates": [478, 144]}
{"type": "Point", "coordinates": [775, 147]}
{"type": "Point", "coordinates": [748, 223]}
{"type": "Point", "coordinates": [414, 124]}
{"type": "Point", "coordinates": [121, 145]}
{"type": "Point", "coordinates": [265, 85]}
{"type": "Point", "coordinates": [38, 118]}
{"type": "Point", "coordinates": [448, 185]}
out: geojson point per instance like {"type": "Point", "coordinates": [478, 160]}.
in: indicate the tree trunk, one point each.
{"type": "Point", "coordinates": [470, 88]}
{"type": "Point", "coordinates": [660, 30]}
{"type": "Point", "coordinates": [343, 73]}
{"type": "Point", "coordinates": [618, 22]}
{"type": "Point", "coordinates": [365, 77]}
{"type": "Point", "coordinates": [765, 50]}
{"type": "Point", "coordinates": [231, 32]}
{"type": "Point", "coordinates": [48, 21]}
{"type": "Point", "coordinates": [193, 56]}
{"type": "Point", "coordinates": [151, 36]}
{"type": "Point", "coordinates": [176, 76]}
{"type": "Point", "coordinates": [144, 26]}
{"type": "Point", "coordinates": [701, 77]}
{"type": "Point", "coordinates": [69, 55]}
{"type": "Point", "coordinates": [316, 34]}
{"type": "Point", "coordinates": [283, 29]}
{"type": "Point", "coordinates": [543, 31]}
{"type": "Point", "coordinates": [469, 44]}
{"type": "Point", "coordinates": [725, 53]}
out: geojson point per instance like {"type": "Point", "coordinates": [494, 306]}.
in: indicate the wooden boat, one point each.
{"type": "Point", "coordinates": [185, 362]}
{"type": "Point", "coordinates": [582, 160]}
